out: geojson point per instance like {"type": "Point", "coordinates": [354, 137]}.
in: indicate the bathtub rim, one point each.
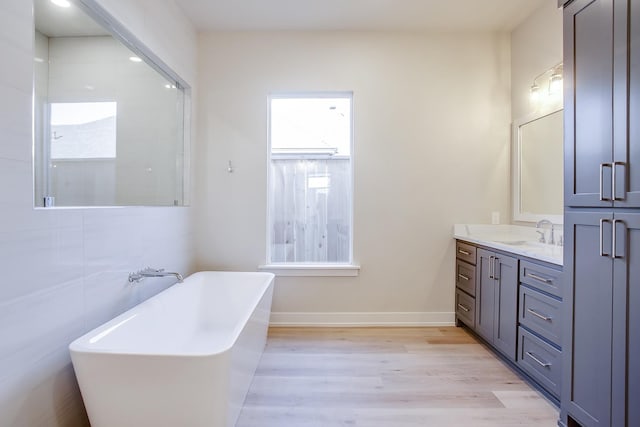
{"type": "Point", "coordinates": [82, 346]}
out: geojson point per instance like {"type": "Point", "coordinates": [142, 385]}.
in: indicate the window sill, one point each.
{"type": "Point", "coordinates": [312, 270]}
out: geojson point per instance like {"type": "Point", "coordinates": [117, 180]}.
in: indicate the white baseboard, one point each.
{"type": "Point", "coordinates": [388, 319]}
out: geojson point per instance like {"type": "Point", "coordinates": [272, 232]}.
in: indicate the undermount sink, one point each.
{"type": "Point", "coordinates": [513, 242]}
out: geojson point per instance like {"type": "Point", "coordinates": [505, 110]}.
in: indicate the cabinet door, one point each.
{"type": "Point", "coordinates": [586, 394]}
{"type": "Point", "coordinates": [506, 305]}
{"type": "Point", "coordinates": [588, 114]}
{"type": "Point", "coordinates": [627, 148]}
{"type": "Point", "coordinates": [626, 321]}
{"type": "Point", "coordinates": [485, 294]}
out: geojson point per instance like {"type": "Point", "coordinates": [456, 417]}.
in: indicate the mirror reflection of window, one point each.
{"type": "Point", "coordinates": [83, 130]}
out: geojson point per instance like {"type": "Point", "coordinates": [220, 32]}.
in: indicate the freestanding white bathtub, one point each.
{"type": "Point", "coordinates": [185, 357]}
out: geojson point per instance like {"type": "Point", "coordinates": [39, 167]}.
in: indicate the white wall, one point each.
{"type": "Point", "coordinates": [536, 46]}
{"type": "Point", "coordinates": [432, 115]}
{"type": "Point", "coordinates": [65, 271]}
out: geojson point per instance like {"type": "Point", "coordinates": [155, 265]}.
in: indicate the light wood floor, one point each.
{"type": "Point", "coordinates": [395, 377]}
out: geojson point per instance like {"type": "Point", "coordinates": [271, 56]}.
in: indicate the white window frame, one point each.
{"type": "Point", "coordinates": [347, 269]}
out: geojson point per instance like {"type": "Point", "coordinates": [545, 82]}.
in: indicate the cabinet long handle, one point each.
{"type": "Point", "coordinates": [463, 252]}
{"type": "Point", "coordinates": [464, 308]}
{"type": "Point", "coordinates": [602, 166]}
{"type": "Point", "coordinates": [496, 268]}
{"type": "Point", "coordinates": [613, 180]}
{"type": "Point", "coordinates": [614, 238]}
{"type": "Point", "coordinates": [541, 316]}
{"type": "Point", "coordinates": [539, 278]}
{"type": "Point", "coordinates": [463, 277]}
{"type": "Point", "coordinates": [491, 266]}
{"type": "Point", "coordinates": [602, 222]}
{"type": "Point", "coordinates": [538, 361]}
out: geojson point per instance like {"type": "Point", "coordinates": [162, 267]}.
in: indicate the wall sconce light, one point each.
{"type": "Point", "coordinates": [553, 81]}
{"type": "Point", "coordinates": [534, 92]}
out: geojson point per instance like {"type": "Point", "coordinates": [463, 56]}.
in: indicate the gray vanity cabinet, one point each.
{"type": "Point", "coordinates": [497, 300]}
{"type": "Point", "coordinates": [540, 315]}
{"type": "Point", "coordinates": [587, 384]}
{"type": "Point", "coordinates": [626, 320]}
{"type": "Point", "coordinates": [588, 123]}
{"type": "Point", "coordinates": [603, 164]}
{"type": "Point", "coordinates": [602, 362]}
{"type": "Point", "coordinates": [627, 149]}
{"type": "Point", "coordinates": [601, 372]}
{"type": "Point", "coordinates": [466, 284]}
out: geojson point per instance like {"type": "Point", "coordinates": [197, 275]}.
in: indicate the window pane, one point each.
{"type": "Point", "coordinates": [311, 124]}
{"type": "Point", "coordinates": [83, 130]}
{"type": "Point", "coordinates": [310, 194]}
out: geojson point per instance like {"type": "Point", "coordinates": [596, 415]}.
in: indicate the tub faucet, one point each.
{"type": "Point", "coordinates": [152, 272]}
{"type": "Point", "coordinates": [552, 240]}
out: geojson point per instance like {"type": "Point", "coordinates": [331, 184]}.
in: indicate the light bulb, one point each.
{"type": "Point", "coordinates": [534, 93]}
{"type": "Point", "coordinates": [555, 84]}
{"type": "Point", "coordinates": [61, 3]}
{"type": "Point", "coordinates": [134, 59]}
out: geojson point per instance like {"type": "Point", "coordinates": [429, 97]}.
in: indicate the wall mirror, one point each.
{"type": "Point", "coordinates": [110, 118]}
{"type": "Point", "coordinates": [537, 171]}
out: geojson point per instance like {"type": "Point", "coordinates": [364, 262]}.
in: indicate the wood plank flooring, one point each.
{"type": "Point", "coordinates": [387, 377]}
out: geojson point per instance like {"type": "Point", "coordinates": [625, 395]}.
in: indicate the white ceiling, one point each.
{"type": "Point", "coordinates": [404, 15]}
{"type": "Point", "coordinates": [55, 21]}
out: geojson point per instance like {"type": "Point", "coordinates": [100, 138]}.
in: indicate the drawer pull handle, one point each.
{"type": "Point", "coordinates": [539, 278]}
{"type": "Point", "coordinates": [463, 277]}
{"type": "Point", "coordinates": [463, 308]}
{"type": "Point", "coordinates": [538, 361]}
{"type": "Point", "coordinates": [541, 316]}
{"type": "Point", "coordinates": [463, 252]}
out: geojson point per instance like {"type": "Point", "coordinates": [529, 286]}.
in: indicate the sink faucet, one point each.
{"type": "Point", "coordinates": [152, 272]}
{"type": "Point", "coordinates": [542, 236]}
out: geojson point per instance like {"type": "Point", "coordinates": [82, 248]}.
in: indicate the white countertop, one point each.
{"type": "Point", "coordinates": [516, 239]}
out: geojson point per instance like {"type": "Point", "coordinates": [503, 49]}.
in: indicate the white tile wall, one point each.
{"type": "Point", "coordinates": [64, 271]}
{"type": "Point", "coordinates": [14, 102]}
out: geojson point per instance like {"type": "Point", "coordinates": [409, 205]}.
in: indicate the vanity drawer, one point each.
{"type": "Point", "coordinates": [466, 308]}
{"type": "Point", "coordinates": [466, 277]}
{"type": "Point", "coordinates": [540, 277]}
{"type": "Point", "coordinates": [540, 360]}
{"type": "Point", "coordinates": [541, 314]}
{"type": "Point", "coordinates": [466, 252]}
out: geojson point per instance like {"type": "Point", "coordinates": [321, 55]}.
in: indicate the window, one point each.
{"type": "Point", "coordinates": [310, 182]}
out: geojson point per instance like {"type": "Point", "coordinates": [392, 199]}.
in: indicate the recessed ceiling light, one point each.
{"type": "Point", "coordinates": [61, 3]}
{"type": "Point", "coordinates": [134, 59]}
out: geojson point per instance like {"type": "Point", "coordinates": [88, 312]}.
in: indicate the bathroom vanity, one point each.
{"type": "Point", "coordinates": [508, 292]}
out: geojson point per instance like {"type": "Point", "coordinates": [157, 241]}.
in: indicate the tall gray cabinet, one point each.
{"type": "Point", "coordinates": [601, 384]}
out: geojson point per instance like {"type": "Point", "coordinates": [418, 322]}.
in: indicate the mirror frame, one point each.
{"type": "Point", "coordinates": [516, 198]}
{"type": "Point", "coordinates": [118, 31]}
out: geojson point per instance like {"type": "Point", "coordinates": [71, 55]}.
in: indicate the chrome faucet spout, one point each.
{"type": "Point", "coordinates": [153, 272]}
{"type": "Point", "coordinates": [552, 240]}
